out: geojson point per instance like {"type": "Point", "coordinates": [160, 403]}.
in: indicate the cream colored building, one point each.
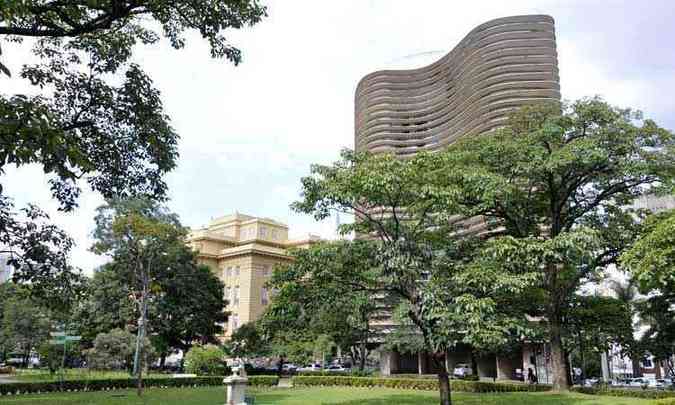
{"type": "Point", "coordinates": [242, 250]}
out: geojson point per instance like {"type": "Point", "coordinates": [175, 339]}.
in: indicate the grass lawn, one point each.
{"type": "Point", "coordinates": [311, 396]}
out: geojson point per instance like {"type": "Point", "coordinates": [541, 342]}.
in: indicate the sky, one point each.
{"type": "Point", "coordinates": [250, 132]}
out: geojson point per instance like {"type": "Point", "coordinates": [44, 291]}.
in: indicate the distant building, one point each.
{"type": "Point", "coordinates": [242, 250]}
{"type": "Point", "coordinates": [500, 66]}
{"type": "Point", "coordinates": [5, 269]}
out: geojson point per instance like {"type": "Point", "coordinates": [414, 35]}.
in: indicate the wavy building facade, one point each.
{"type": "Point", "coordinates": [499, 66]}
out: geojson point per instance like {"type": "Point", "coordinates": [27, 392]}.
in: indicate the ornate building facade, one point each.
{"type": "Point", "coordinates": [243, 250]}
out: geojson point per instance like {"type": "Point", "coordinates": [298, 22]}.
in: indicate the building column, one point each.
{"type": "Point", "coordinates": [389, 362]}
{"type": "Point", "coordinates": [506, 366]}
{"type": "Point", "coordinates": [486, 366]}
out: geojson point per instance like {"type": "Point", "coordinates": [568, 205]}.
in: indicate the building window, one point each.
{"type": "Point", "coordinates": [275, 234]}
{"type": "Point", "coordinates": [266, 270]}
{"type": "Point", "coordinates": [236, 271]}
{"type": "Point", "coordinates": [229, 272]}
{"type": "Point", "coordinates": [228, 291]}
{"type": "Point", "coordinates": [235, 299]}
{"type": "Point", "coordinates": [264, 298]}
{"type": "Point", "coordinates": [235, 322]}
{"type": "Point", "coordinates": [263, 232]}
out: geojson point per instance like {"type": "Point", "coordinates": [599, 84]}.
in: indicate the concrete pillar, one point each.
{"type": "Point", "coordinates": [506, 366]}
{"type": "Point", "coordinates": [604, 363]}
{"type": "Point", "coordinates": [487, 366]}
{"type": "Point", "coordinates": [388, 362]}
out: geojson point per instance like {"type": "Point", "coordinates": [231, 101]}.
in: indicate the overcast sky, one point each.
{"type": "Point", "coordinates": [249, 133]}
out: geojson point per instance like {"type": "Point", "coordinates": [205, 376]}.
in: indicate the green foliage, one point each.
{"type": "Point", "coordinates": [247, 341]}
{"type": "Point", "coordinates": [326, 292]}
{"type": "Point", "coordinates": [206, 360]}
{"type": "Point", "coordinates": [420, 254]}
{"type": "Point", "coordinates": [554, 181]}
{"type": "Point", "coordinates": [106, 306]}
{"type": "Point", "coordinates": [599, 323]}
{"type": "Point", "coordinates": [25, 326]}
{"type": "Point", "coordinates": [414, 383]}
{"type": "Point", "coordinates": [651, 261]}
{"type": "Point", "coordinates": [117, 384]}
{"type": "Point", "coordinates": [612, 392]}
{"type": "Point", "coordinates": [154, 269]}
{"type": "Point", "coordinates": [51, 356]}
{"type": "Point", "coordinates": [39, 253]}
{"type": "Point", "coordinates": [115, 350]}
{"type": "Point", "coordinates": [94, 117]}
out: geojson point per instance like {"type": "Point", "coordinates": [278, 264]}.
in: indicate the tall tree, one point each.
{"type": "Point", "coordinates": [555, 180]}
{"type": "Point", "coordinates": [25, 326]}
{"type": "Point", "coordinates": [651, 261]}
{"type": "Point", "coordinates": [327, 290]}
{"type": "Point", "coordinates": [421, 252]}
{"type": "Point", "coordinates": [96, 116]}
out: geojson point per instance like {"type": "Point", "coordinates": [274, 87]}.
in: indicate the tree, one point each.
{"type": "Point", "coordinates": [327, 290]}
{"type": "Point", "coordinates": [189, 306]}
{"type": "Point", "coordinates": [627, 293]}
{"type": "Point", "coordinates": [97, 117]}
{"type": "Point", "coordinates": [422, 253]}
{"type": "Point", "coordinates": [556, 180]}
{"type": "Point", "coordinates": [205, 360]}
{"type": "Point", "coordinates": [247, 341]}
{"type": "Point", "coordinates": [115, 351]}
{"type": "Point", "coordinates": [107, 305]}
{"type": "Point", "coordinates": [138, 236]}
{"type": "Point", "coordinates": [25, 326]}
{"type": "Point", "coordinates": [651, 262]}
{"type": "Point", "coordinates": [593, 324]}
{"type": "Point", "coordinates": [180, 301]}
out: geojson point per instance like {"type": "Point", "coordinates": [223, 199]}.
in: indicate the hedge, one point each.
{"type": "Point", "coordinates": [115, 384]}
{"type": "Point", "coordinates": [414, 383]}
{"type": "Point", "coordinates": [353, 373]}
{"type": "Point", "coordinates": [636, 393]}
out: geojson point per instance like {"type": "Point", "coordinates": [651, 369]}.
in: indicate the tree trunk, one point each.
{"type": "Point", "coordinates": [558, 365]}
{"type": "Point", "coordinates": [420, 366]}
{"type": "Point", "coordinates": [444, 387]}
{"type": "Point", "coordinates": [474, 363]}
{"type": "Point", "coordinates": [637, 370]}
{"type": "Point", "coordinates": [362, 354]}
{"type": "Point", "coordinates": [162, 361]}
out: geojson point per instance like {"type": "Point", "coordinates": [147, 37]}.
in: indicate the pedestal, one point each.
{"type": "Point", "coordinates": [236, 390]}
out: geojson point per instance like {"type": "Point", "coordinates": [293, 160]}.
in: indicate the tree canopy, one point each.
{"type": "Point", "coordinates": [556, 182]}
{"type": "Point", "coordinates": [94, 117]}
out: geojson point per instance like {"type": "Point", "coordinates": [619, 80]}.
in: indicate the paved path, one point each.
{"type": "Point", "coordinates": [6, 379]}
{"type": "Point", "coordinates": [285, 382]}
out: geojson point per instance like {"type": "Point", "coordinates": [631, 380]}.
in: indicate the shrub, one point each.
{"type": "Point", "coordinates": [353, 373]}
{"type": "Point", "coordinates": [115, 351]}
{"type": "Point", "coordinates": [414, 383]}
{"type": "Point", "coordinates": [646, 394]}
{"type": "Point", "coordinates": [206, 360]}
{"type": "Point", "coordinates": [109, 384]}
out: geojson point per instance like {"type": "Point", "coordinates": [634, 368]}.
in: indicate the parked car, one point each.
{"type": "Point", "coordinates": [337, 368]}
{"type": "Point", "coordinates": [591, 382]}
{"type": "Point", "coordinates": [642, 382]}
{"type": "Point", "coordinates": [311, 367]}
{"type": "Point", "coordinates": [462, 370]}
{"type": "Point", "coordinates": [289, 367]}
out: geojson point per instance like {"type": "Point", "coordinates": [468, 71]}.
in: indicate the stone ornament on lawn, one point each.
{"type": "Point", "coordinates": [236, 386]}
